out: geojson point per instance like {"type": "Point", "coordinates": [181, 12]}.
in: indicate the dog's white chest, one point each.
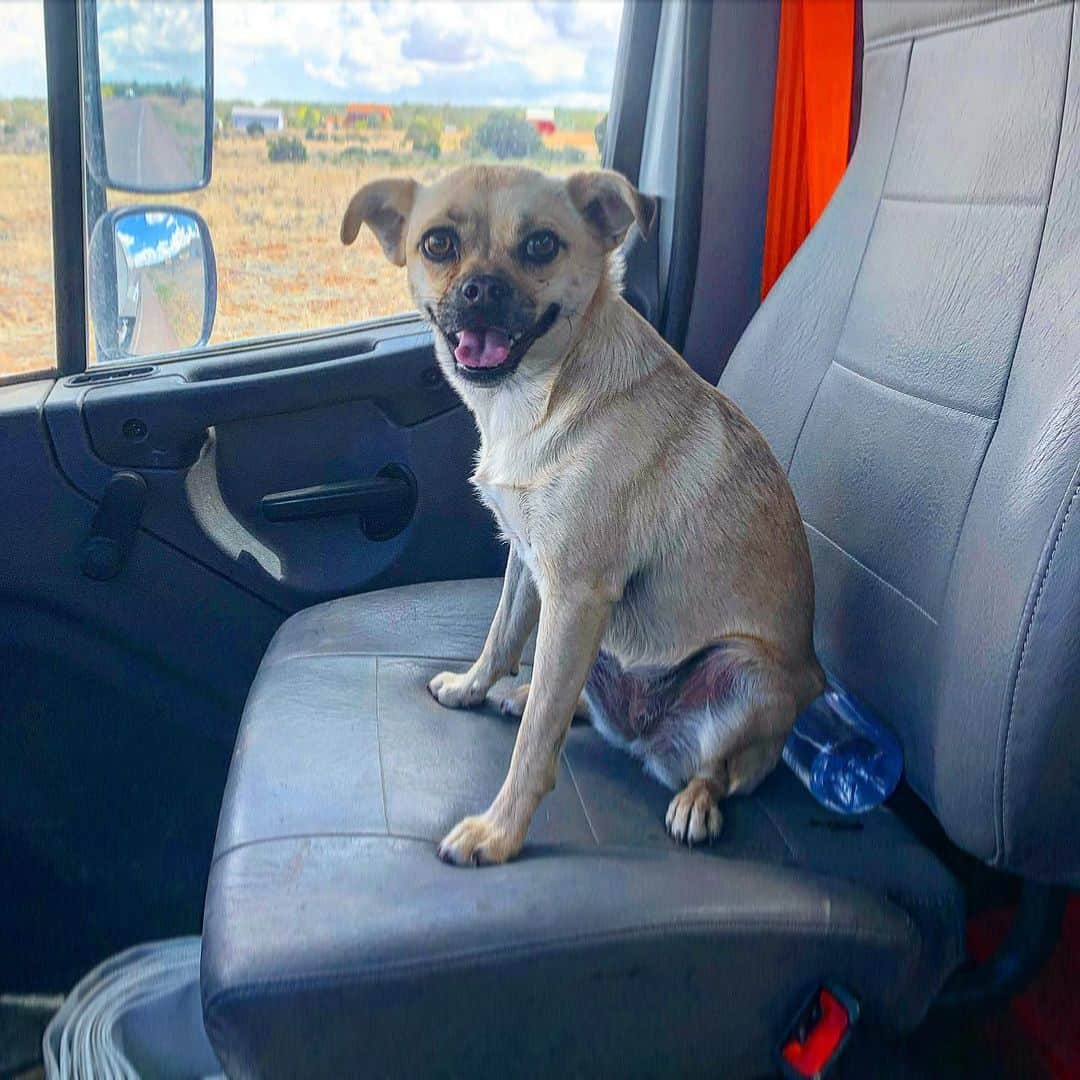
{"type": "Point", "coordinates": [507, 504]}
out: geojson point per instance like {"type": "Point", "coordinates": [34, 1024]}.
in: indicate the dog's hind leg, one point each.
{"type": "Point", "coordinates": [732, 711]}
{"type": "Point", "coordinates": [750, 766]}
{"type": "Point", "coordinates": [694, 816]}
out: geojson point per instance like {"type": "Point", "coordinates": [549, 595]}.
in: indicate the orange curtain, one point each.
{"type": "Point", "coordinates": [811, 122]}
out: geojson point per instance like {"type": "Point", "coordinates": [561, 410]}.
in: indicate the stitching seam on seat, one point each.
{"type": "Point", "coordinates": [346, 654]}
{"type": "Point", "coordinates": [584, 808]}
{"type": "Point", "coordinates": [326, 834]}
{"type": "Point", "coordinates": [961, 23]}
{"type": "Point", "coordinates": [939, 200]}
{"type": "Point", "coordinates": [915, 397]}
{"type": "Point", "coordinates": [1030, 622]}
{"type": "Point", "coordinates": [876, 576]}
{"type": "Point", "coordinates": [858, 272]}
{"type": "Point", "coordinates": [378, 746]}
{"type": "Point", "coordinates": [761, 805]}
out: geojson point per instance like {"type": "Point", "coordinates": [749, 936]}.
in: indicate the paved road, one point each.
{"type": "Point", "coordinates": [140, 148]}
{"type": "Point", "coordinates": [152, 333]}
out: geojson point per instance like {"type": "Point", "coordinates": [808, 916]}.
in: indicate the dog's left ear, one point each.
{"type": "Point", "coordinates": [384, 206]}
{"type": "Point", "coordinates": [609, 203]}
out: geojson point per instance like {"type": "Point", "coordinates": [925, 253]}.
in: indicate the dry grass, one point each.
{"type": "Point", "coordinates": [281, 266]}
{"type": "Point", "coordinates": [27, 320]}
{"type": "Point", "coordinates": [179, 288]}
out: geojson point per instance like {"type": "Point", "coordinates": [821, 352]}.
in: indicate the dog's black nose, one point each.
{"type": "Point", "coordinates": [481, 290]}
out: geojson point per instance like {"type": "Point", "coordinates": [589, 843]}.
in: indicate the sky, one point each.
{"type": "Point", "coordinates": [497, 52]}
{"type": "Point", "coordinates": [151, 42]}
{"type": "Point", "coordinates": [150, 238]}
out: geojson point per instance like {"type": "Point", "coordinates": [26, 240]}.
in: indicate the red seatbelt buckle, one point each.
{"type": "Point", "coordinates": [817, 1038]}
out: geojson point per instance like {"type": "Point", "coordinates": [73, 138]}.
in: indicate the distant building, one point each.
{"type": "Point", "coordinates": [370, 114]}
{"type": "Point", "coordinates": [243, 116]}
{"type": "Point", "coordinates": [543, 119]}
{"type": "Point", "coordinates": [453, 139]}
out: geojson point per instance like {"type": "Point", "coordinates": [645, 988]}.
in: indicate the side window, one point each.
{"type": "Point", "coordinates": [373, 89]}
{"type": "Point", "coordinates": [27, 326]}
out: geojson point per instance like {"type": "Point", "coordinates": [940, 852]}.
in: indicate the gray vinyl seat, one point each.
{"type": "Point", "coordinates": [917, 370]}
{"type": "Point", "coordinates": [334, 935]}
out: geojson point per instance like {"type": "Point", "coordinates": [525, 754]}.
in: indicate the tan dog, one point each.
{"type": "Point", "coordinates": [655, 545]}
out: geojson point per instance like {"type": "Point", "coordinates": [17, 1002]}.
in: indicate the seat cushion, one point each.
{"type": "Point", "coordinates": [335, 941]}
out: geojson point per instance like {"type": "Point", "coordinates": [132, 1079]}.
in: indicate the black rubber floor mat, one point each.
{"type": "Point", "coordinates": [23, 1018]}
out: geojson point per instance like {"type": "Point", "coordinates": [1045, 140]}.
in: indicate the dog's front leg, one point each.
{"type": "Point", "coordinates": [572, 624]}
{"type": "Point", "coordinates": [515, 618]}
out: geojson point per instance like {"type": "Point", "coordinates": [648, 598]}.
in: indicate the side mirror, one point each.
{"type": "Point", "coordinates": [153, 282]}
{"type": "Point", "coordinates": [148, 93]}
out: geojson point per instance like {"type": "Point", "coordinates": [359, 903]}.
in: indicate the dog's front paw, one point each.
{"type": "Point", "coordinates": [693, 816]}
{"type": "Point", "coordinates": [478, 841]}
{"type": "Point", "coordinates": [458, 691]}
{"type": "Point", "coordinates": [513, 703]}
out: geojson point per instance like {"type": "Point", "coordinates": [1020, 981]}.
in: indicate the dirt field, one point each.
{"type": "Point", "coordinates": [26, 283]}
{"type": "Point", "coordinates": [281, 266]}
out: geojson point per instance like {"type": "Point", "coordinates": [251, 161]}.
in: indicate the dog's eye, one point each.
{"type": "Point", "coordinates": [540, 247]}
{"type": "Point", "coordinates": [439, 245]}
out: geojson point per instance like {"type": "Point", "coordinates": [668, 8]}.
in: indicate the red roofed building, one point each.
{"type": "Point", "coordinates": [365, 114]}
{"type": "Point", "coordinates": [542, 119]}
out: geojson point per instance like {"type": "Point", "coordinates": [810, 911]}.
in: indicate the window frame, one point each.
{"type": "Point", "coordinates": [63, 80]}
{"type": "Point", "coordinates": [72, 185]}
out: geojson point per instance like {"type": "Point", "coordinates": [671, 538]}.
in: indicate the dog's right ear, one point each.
{"type": "Point", "coordinates": [384, 206]}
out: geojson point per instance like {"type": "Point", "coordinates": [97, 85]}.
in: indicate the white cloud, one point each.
{"type": "Point", "coordinates": [151, 40]}
{"type": "Point", "coordinates": [22, 49]}
{"type": "Point", "coordinates": [467, 51]}
{"type": "Point", "coordinates": [367, 48]}
{"type": "Point", "coordinates": [181, 237]}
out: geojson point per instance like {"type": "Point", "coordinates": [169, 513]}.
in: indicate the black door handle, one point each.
{"type": "Point", "coordinates": [115, 525]}
{"type": "Point", "coordinates": [384, 502]}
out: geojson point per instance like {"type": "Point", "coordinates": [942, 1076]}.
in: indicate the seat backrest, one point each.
{"type": "Point", "coordinates": [917, 370]}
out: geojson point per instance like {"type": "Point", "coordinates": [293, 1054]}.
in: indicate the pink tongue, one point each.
{"type": "Point", "coordinates": [482, 348]}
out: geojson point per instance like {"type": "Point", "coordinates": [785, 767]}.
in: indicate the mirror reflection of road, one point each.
{"type": "Point", "coordinates": [140, 148]}
{"type": "Point", "coordinates": [152, 333]}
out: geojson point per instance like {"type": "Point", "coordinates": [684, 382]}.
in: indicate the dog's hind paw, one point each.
{"type": "Point", "coordinates": [457, 691]}
{"type": "Point", "coordinates": [693, 816]}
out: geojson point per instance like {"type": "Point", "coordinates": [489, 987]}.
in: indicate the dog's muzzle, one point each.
{"type": "Point", "coordinates": [488, 354]}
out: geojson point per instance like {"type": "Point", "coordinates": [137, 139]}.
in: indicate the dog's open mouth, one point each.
{"type": "Point", "coordinates": [482, 348]}
{"type": "Point", "coordinates": [490, 353]}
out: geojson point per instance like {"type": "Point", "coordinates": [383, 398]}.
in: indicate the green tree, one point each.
{"type": "Point", "coordinates": [568, 155]}
{"type": "Point", "coordinates": [424, 135]}
{"type": "Point", "coordinates": [286, 148]}
{"type": "Point", "coordinates": [507, 136]}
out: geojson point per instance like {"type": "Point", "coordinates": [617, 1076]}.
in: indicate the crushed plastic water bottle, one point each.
{"type": "Point", "coordinates": [848, 760]}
